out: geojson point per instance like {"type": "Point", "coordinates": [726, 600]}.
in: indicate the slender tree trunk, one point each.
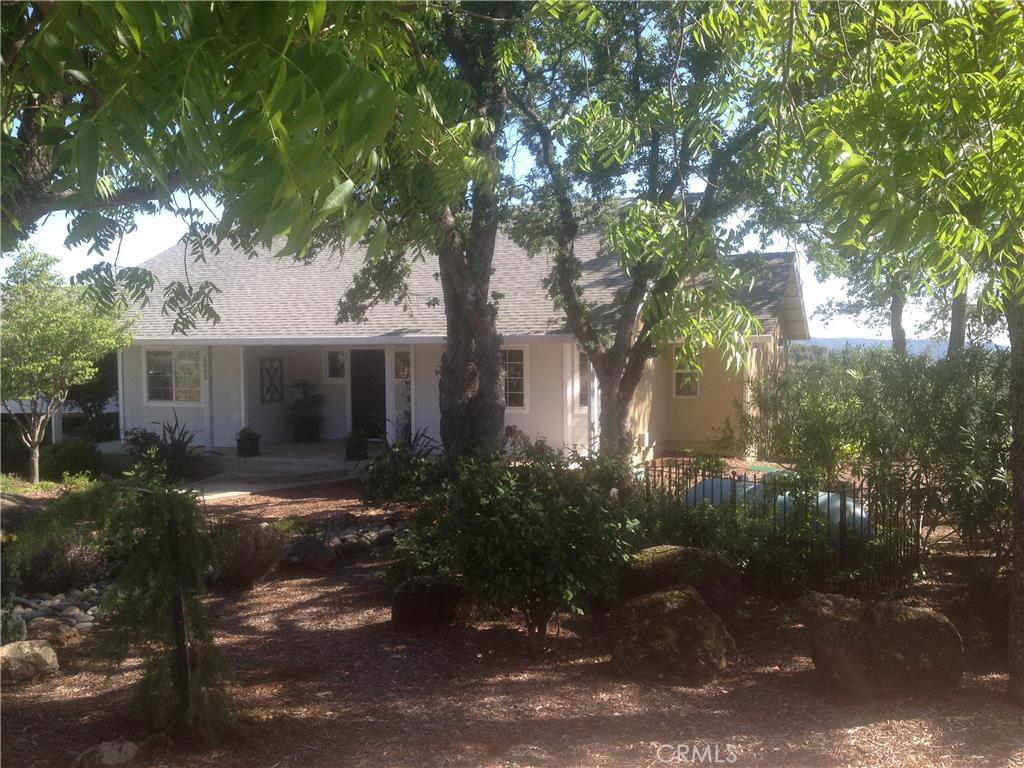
{"type": "Point", "coordinates": [957, 324]}
{"type": "Point", "coordinates": [33, 429]}
{"type": "Point", "coordinates": [33, 463]}
{"type": "Point", "coordinates": [1015, 322]}
{"type": "Point", "coordinates": [899, 336]}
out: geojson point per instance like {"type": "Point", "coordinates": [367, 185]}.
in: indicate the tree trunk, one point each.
{"type": "Point", "coordinates": [472, 396]}
{"type": "Point", "coordinates": [957, 324]}
{"type": "Point", "coordinates": [899, 335]}
{"type": "Point", "coordinates": [33, 463]}
{"type": "Point", "coordinates": [614, 414]}
{"type": "Point", "coordinates": [1015, 323]}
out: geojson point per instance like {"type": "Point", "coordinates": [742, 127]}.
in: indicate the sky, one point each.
{"type": "Point", "coordinates": [157, 233]}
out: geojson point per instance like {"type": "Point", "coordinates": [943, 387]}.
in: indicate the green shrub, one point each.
{"type": "Point", "coordinates": [245, 553]}
{"type": "Point", "coordinates": [533, 533]}
{"type": "Point", "coordinates": [405, 472]}
{"type": "Point", "coordinates": [69, 457]}
{"type": "Point", "coordinates": [168, 453]}
{"type": "Point", "coordinates": [427, 546]}
{"type": "Point", "coordinates": [935, 432]}
{"type": "Point", "coordinates": [12, 627]}
{"type": "Point", "coordinates": [153, 605]}
{"type": "Point", "coordinates": [539, 532]}
{"type": "Point", "coordinates": [72, 560]}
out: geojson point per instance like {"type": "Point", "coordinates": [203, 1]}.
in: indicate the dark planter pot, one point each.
{"type": "Point", "coordinates": [307, 431]}
{"type": "Point", "coordinates": [247, 446]}
{"type": "Point", "coordinates": [356, 452]}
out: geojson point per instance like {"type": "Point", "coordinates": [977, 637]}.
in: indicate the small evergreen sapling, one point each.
{"type": "Point", "coordinates": [152, 608]}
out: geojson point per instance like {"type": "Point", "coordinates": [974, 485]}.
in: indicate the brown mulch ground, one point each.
{"type": "Point", "coordinates": [322, 680]}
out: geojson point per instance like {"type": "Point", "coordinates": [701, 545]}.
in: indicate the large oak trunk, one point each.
{"type": "Point", "coordinates": [472, 398]}
{"type": "Point", "coordinates": [1015, 321]}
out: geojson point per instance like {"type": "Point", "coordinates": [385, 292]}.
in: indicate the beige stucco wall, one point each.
{"type": "Point", "coordinates": [677, 423]}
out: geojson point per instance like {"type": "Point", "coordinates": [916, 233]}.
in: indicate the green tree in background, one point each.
{"type": "Point", "coordinates": [51, 337]}
{"type": "Point", "coordinates": [919, 149]}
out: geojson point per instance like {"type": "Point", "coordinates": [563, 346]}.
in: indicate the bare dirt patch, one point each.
{"type": "Point", "coordinates": [322, 680]}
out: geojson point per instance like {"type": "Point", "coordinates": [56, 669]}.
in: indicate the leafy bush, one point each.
{"type": "Point", "coordinates": [936, 431]}
{"type": "Point", "coordinates": [168, 453]}
{"type": "Point", "coordinates": [778, 559]}
{"type": "Point", "coordinates": [405, 471]}
{"type": "Point", "coordinates": [71, 457]}
{"type": "Point", "coordinates": [72, 560]}
{"type": "Point", "coordinates": [12, 627]}
{"type": "Point", "coordinates": [245, 553]}
{"type": "Point", "coordinates": [533, 533]}
{"type": "Point", "coordinates": [153, 605]}
{"type": "Point", "coordinates": [427, 546]}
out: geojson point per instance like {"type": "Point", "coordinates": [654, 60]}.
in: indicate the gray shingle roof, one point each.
{"type": "Point", "coordinates": [268, 298]}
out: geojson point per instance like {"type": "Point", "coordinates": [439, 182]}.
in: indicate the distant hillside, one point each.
{"type": "Point", "coordinates": [934, 347]}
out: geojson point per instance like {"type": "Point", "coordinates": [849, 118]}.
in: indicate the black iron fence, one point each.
{"type": "Point", "coordinates": [859, 534]}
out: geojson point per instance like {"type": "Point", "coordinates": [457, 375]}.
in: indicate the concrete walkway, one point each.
{"type": "Point", "coordinates": [224, 486]}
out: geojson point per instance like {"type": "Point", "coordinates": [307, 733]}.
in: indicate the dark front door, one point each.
{"type": "Point", "coordinates": [369, 403]}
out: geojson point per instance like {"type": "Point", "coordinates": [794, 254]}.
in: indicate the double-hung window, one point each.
{"type": "Point", "coordinates": [583, 369]}
{"type": "Point", "coordinates": [173, 376]}
{"type": "Point", "coordinates": [513, 364]}
{"type": "Point", "coordinates": [685, 381]}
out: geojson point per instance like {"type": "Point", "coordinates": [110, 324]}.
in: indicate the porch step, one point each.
{"type": "Point", "coordinates": [273, 469]}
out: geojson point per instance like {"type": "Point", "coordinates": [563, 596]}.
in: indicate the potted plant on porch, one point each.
{"type": "Point", "coordinates": [304, 413]}
{"type": "Point", "coordinates": [356, 445]}
{"type": "Point", "coordinates": [247, 443]}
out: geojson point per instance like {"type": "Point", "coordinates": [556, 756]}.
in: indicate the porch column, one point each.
{"type": "Point", "coordinates": [243, 401]}
{"type": "Point", "coordinates": [389, 394]}
{"type": "Point", "coordinates": [568, 398]}
{"type": "Point", "coordinates": [120, 395]}
{"type": "Point", "coordinates": [207, 364]}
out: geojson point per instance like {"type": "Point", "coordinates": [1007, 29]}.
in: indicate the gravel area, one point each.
{"type": "Point", "coordinates": [322, 680]}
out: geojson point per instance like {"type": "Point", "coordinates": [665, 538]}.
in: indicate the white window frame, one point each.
{"type": "Point", "coordinates": [326, 367]}
{"type": "Point", "coordinates": [203, 362]}
{"type": "Point", "coordinates": [577, 351]}
{"type": "Point", "coordinates": [676, 369]}
{"type": "Point", "coordinates": [526, 379]}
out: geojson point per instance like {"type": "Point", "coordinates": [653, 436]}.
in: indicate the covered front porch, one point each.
{"type": "Point", "coordinates": [218, 389]}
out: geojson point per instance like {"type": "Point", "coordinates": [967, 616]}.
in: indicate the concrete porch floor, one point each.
{"type": "Point", "coordinates": [279, 465]}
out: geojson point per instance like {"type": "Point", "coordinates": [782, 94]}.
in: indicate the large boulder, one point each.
{"type": "Point", "coordinates": [27, 660]}
{"type": "Point", "coordinates": [872, 648]}
{"type": "Point", "coordinates": [311, 553]}
{"type": "Point", "coordinates": [424, 600]}
{"type": "Point", "coordinates": [718, 580]}
{"type": "Point", "coordinates": [670, 636]}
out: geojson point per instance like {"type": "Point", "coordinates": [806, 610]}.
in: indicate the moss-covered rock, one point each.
{"type": "Point", "coordinates": [670, 636]}
{"type": "Point", "coordinates": [718, 580]}
{"type": "Point", "coordinates": [873, 648]}
{"type": "Point", "coordinates": [423, 600]}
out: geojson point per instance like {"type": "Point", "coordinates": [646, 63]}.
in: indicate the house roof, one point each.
{"type": "Point", "coordinates": [267, 298]}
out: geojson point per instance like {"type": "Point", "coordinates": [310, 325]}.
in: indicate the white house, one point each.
{"type": "Point", "coordinates": [278, 326]}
